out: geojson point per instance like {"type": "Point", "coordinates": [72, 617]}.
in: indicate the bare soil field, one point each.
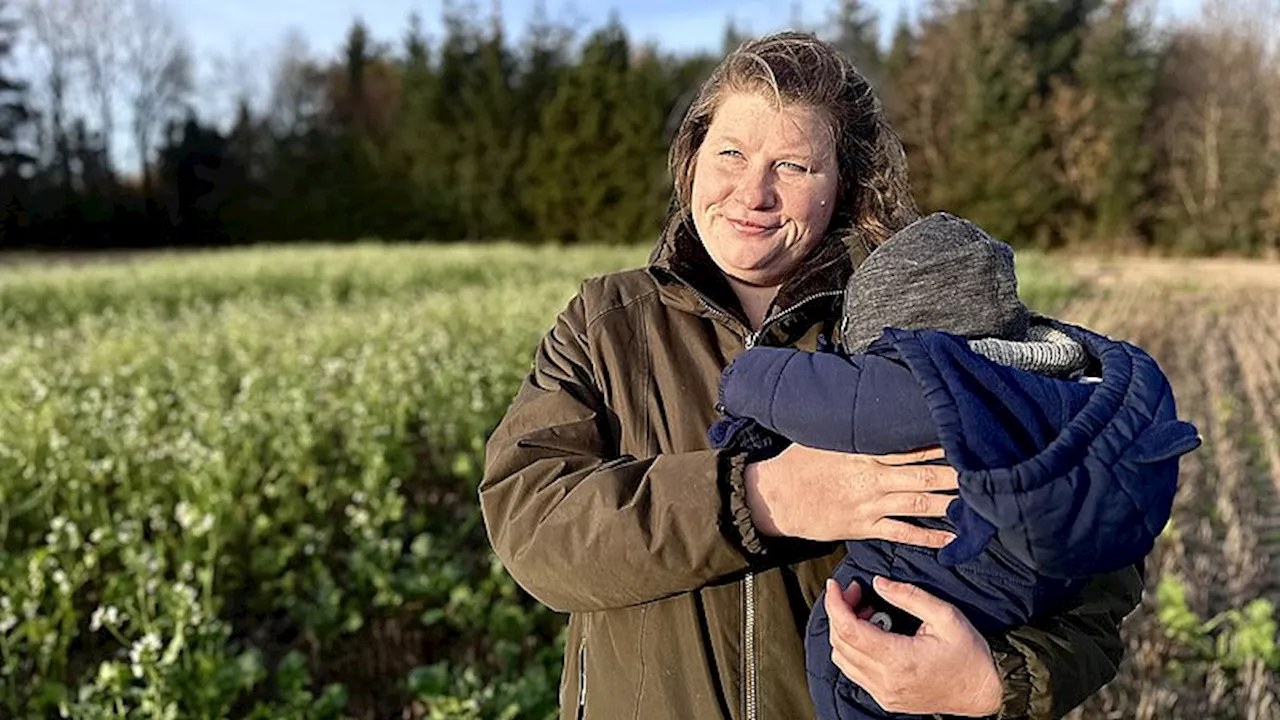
{"type": "Point", "coordinates": [1214, 326]}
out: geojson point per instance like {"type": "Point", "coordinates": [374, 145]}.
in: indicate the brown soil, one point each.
{"type": "Point", "coordinates": [1214, 326]}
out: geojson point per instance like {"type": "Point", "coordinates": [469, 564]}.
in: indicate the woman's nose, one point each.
{"type": "Point", "coordinates": [755, 189]}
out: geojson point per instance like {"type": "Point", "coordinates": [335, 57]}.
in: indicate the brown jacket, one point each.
{"type": "Point", "coordinates": [603, 500]}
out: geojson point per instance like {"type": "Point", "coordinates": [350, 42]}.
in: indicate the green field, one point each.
{"type": "Point", "coordinates": [242, 484]}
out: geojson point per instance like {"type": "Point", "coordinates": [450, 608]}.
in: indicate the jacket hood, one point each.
{"type": "Point", "coordinates": [1097, 496]}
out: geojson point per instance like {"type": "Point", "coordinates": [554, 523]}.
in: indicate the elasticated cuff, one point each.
{"type": "Point", "coordinates": [1015, 679]}
{"type": "Point", "coordinates": [733, 471]}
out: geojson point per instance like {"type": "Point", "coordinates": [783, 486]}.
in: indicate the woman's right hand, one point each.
{"type": "Point", "coordinates": [823, 495]}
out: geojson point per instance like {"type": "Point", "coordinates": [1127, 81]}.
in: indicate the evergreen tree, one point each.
{"type": "Point", "coordinates": [732, 37]}
{"type": "Point", "coordinates": [855, 30]}
{"type": "Point", "coordinates": [416, 157]}
{"type": "Point", "coordinates": [481, 112]}
{"type": "Point", "coordinates": [191, 168]}
{"type": "Point", "coordinates": [1101, 114]}
{"type": "Point", "coordinates": [595, 170]}
{"type": "Point", "coordinates": [244, 196]}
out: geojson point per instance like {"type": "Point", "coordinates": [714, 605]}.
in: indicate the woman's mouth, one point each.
{"type": "Point", "coordinates": [746, 227]}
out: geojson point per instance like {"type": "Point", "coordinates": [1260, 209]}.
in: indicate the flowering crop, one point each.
{"type": "Point", "coordinates": [222, 475]}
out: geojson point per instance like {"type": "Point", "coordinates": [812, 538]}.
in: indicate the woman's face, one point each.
{"type": "Point", "coordinates": [764, 187]}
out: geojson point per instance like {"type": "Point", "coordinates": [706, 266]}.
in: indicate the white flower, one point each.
{"type": "Point", "coordinates": [204, 526]}
{"type": "Point", "coordinates": [108, 673]}
{"type": "Point", "coordinates": [8, 620]}
{"type": "Point", "coordinates": [145, 648]}
{"type": "Point", "coordinates": [186, 591]}
{"type": "Point", "coordinates": [108, 616]}
{"type": "Point", "coordinates": [192, 520]}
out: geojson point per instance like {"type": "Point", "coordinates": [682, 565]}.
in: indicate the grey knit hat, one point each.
{"type": "Point", "coordinates": [940, 272]}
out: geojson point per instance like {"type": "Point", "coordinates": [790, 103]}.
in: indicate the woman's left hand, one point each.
{"type": "Point", "coordinates": [946, 667]}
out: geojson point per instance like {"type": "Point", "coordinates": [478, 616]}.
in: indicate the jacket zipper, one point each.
{"type": "Point", "coordinates": [751, 338]}
{"type": "Point", "coordinates": [754, 337]}
{"type": "Point", "coordinates": [582, 680]}
{"type": "Point", "coordinates": [750, 669]}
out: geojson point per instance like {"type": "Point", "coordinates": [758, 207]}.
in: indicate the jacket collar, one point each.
{"type": "Point", "coordinates": [690, 280]}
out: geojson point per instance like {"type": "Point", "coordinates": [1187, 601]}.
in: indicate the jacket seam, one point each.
{"type": "Point", "coordinates": [596, 317]}
{"type": "Point", "coordinates": [649, 383]}
{"type": "Point", "coordinates": [644, 622]}
{"type": "Point", "coordinates": [615, 306]}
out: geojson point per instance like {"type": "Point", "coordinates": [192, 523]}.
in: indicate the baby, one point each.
{"type": "Point", "coordinates": [1065, 442]}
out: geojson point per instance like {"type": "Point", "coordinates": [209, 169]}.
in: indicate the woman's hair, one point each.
{"type": "Point", "coordinates": [874, 198]}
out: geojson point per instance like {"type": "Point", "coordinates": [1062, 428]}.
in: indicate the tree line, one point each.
{"type": "Point", "coordinates": [1053, 123]}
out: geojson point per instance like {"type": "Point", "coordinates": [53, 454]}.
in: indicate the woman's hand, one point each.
{"type": "Point", "coordinates": [945, 668]}
{"type": "Point", "coordinates": [823, 495]}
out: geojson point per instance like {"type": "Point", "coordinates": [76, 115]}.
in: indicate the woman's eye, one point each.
{"type": "Point", "coordinates": [794, 167]}
{"type": "Point", "coordinates": [730, 152]}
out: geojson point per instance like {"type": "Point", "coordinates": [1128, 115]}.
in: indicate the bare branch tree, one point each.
{"type": "Point", "coordinates": [297, 87]}
{"type": "Point", "coordinates": [157, 74]}
{"type": "Point", "coordinates": [1220, 106]}
{"type": "Point", "coordinates": [234, 79]}
{"type": "Point", "coordinates": [55, 56]}
{"type": "Point", "coordinates": [93, 28]}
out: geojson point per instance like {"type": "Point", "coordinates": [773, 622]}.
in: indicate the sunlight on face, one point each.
{"type": "Point", "coordinates": [764, 187]}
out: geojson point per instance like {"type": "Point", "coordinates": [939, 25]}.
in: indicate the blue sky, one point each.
{"type": "Point", "coordinates": [253, 26]}
{"type": "Point", "coordinates": [674, 24]}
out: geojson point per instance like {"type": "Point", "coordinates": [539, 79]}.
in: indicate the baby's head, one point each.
{"type": "Point", "coordinates": [941, 273]}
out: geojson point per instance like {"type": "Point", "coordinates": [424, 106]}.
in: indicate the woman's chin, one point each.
{"type": "Point", "coordinates": [756, 275]}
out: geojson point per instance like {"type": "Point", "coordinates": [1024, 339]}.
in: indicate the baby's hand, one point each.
{"type": "Point", "coordinates": [875, 610]}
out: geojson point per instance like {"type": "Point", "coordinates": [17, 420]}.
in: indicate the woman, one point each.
{"type": "Point", "coordinates": [687, 572]}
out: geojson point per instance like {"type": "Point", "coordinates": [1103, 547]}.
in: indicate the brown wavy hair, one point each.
{"type": "Point", "coordinates": [874, 198]}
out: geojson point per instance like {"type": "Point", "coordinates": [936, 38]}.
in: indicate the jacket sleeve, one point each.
{"type": "Point", "coordinates": [1053, 664]}
{"type": "Point", "coordinates": [861, 403]}
{"type": "Point", "coordinates": [583, 527]}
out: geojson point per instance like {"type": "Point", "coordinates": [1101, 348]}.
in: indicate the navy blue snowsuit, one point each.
{"type": "Point", "coordinates": [1059, 479]}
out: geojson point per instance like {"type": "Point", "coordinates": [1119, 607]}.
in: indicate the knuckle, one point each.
{"type": "Point", "coordinates": [920, 504]}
